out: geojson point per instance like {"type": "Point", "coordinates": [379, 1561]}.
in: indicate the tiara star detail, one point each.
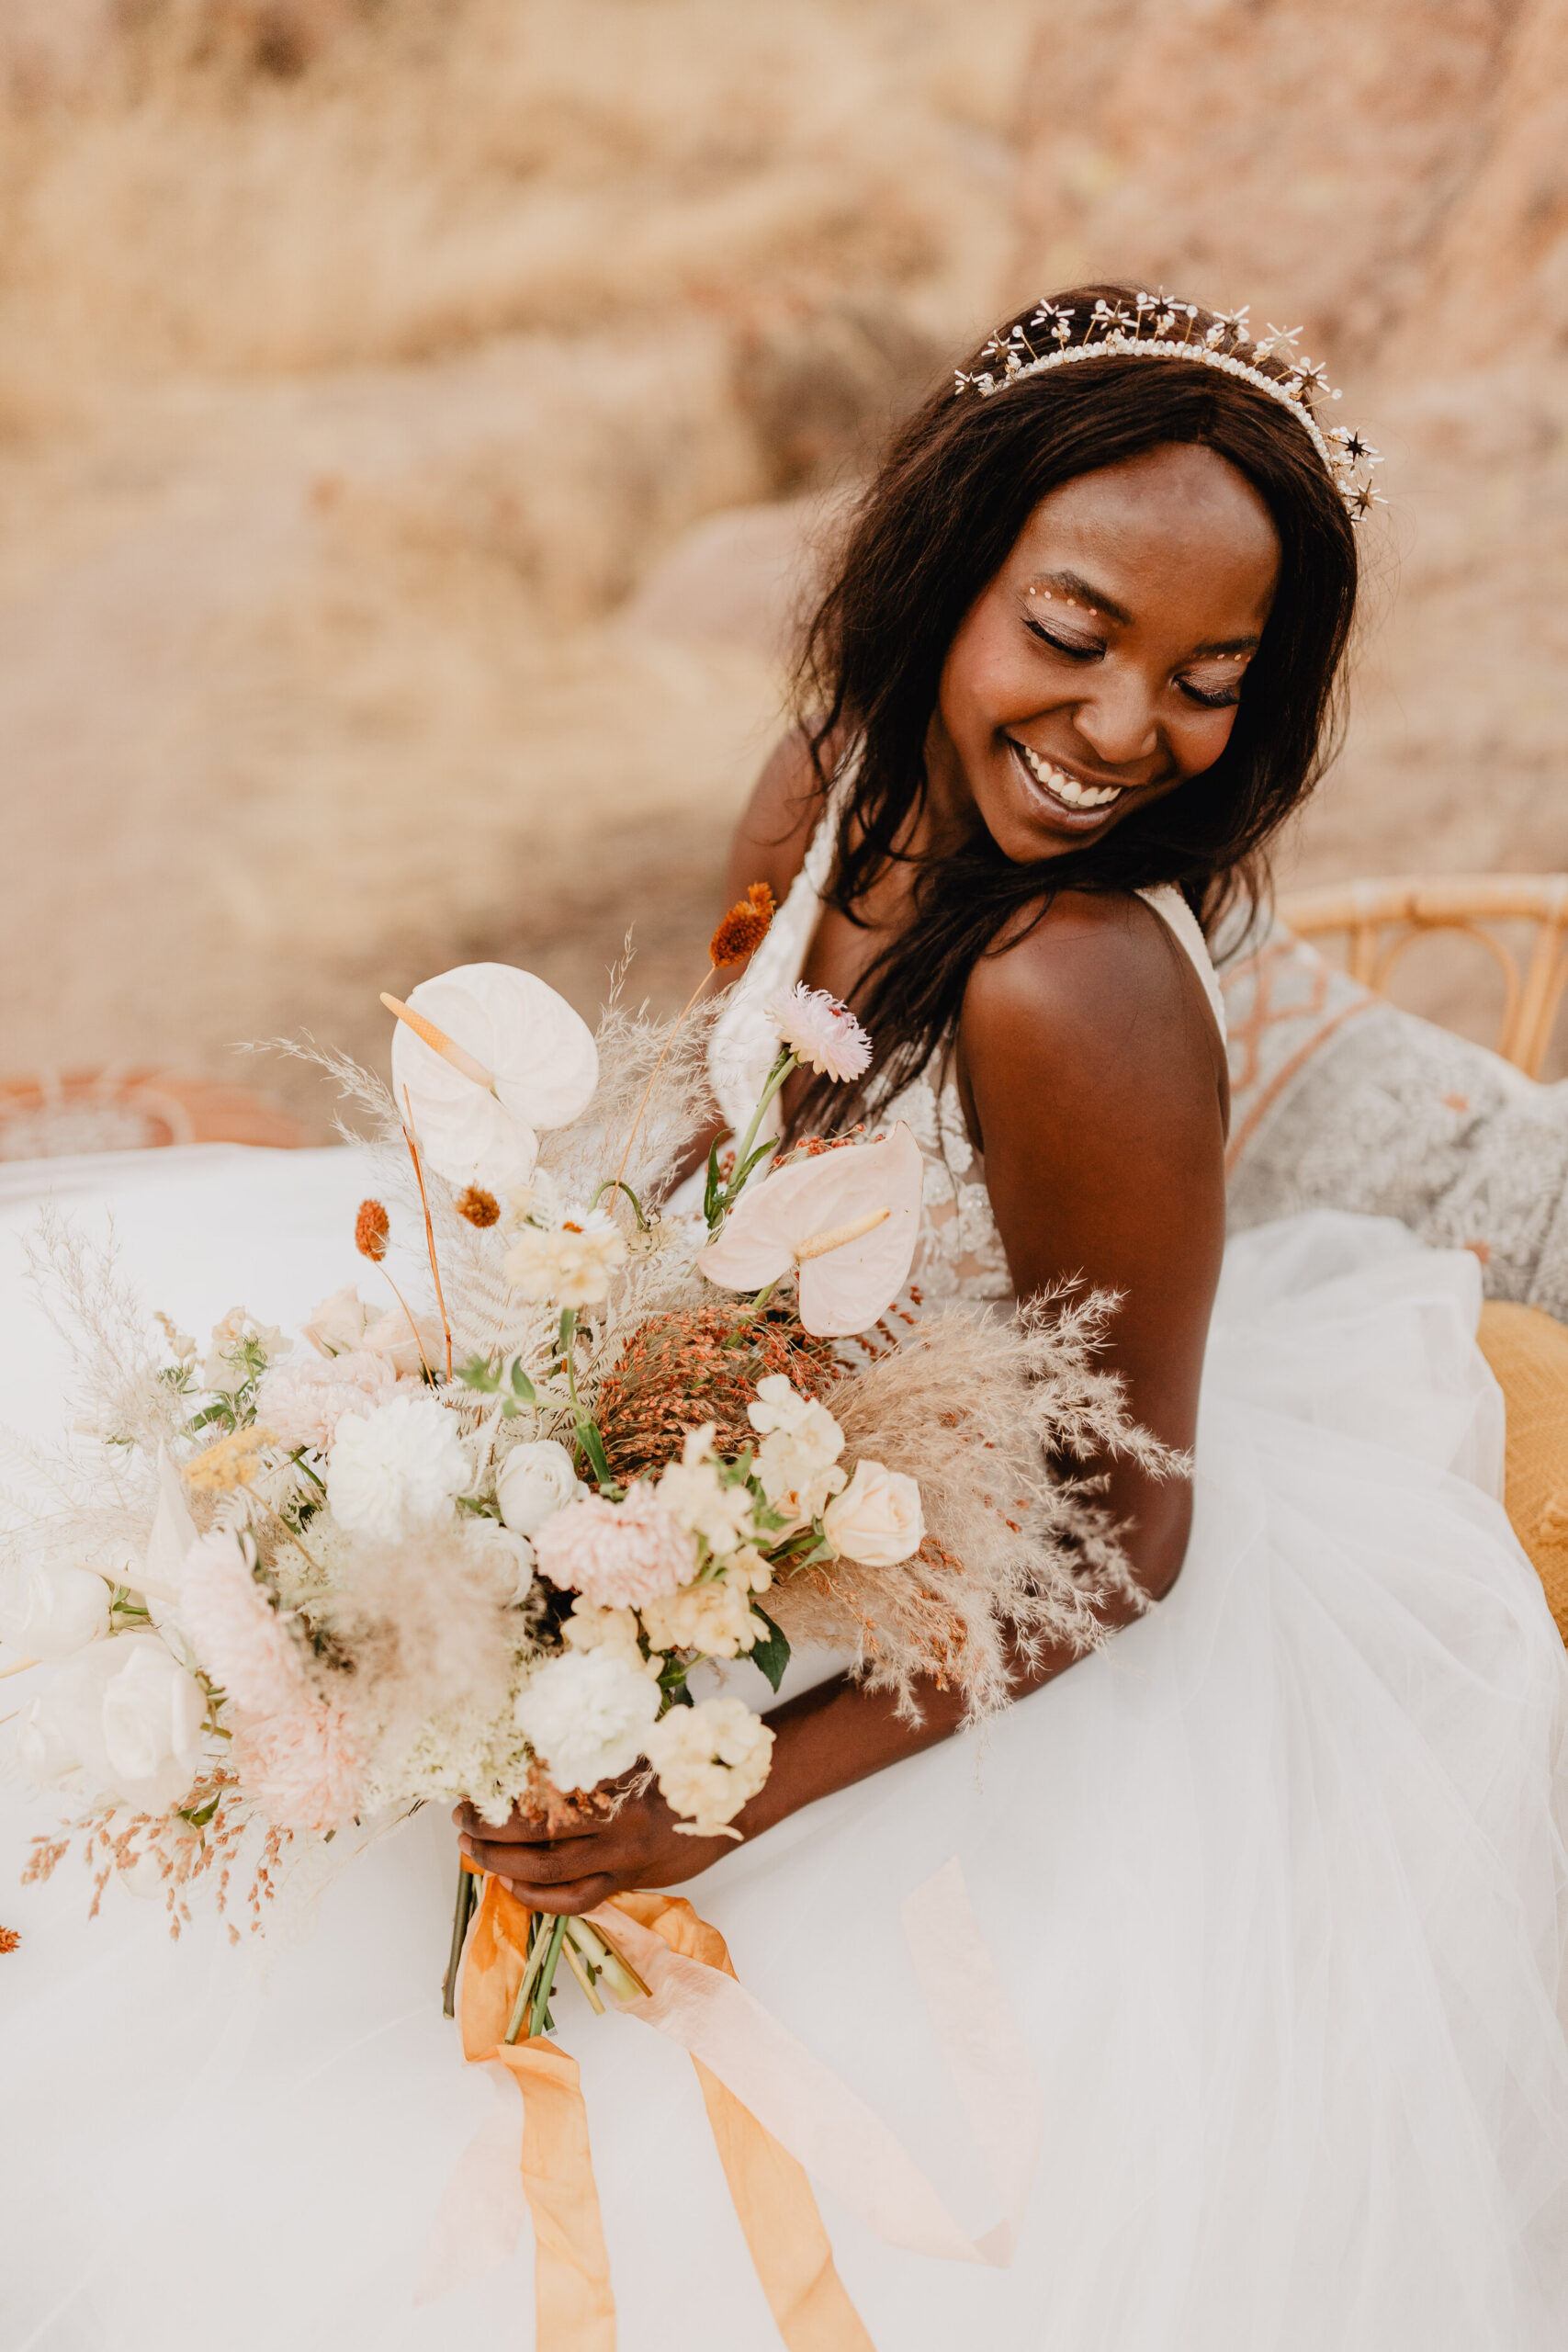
{"type": "Point", "coordinates": [1158, 327]}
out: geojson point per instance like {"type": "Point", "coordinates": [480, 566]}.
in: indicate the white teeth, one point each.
{"type": "Point", "coordinates": [1068, 788]}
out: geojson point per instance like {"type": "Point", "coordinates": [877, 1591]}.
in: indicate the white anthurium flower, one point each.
{"type": "Point", "coordinates": [52, 1612]}
{"type": "Point", "coordinates": [488, 1055]}
{"type": "Point", "coordinates": [161, 1573]}
{"type": "Point", "coordinates": [127, 1717]}
{"type": "Point", "coordinates": [847, 1219]}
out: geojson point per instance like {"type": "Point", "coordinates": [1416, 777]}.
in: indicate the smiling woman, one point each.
{"type": "Point", "coordinates": [1034, 638]}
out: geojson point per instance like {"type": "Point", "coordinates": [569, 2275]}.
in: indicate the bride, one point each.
{"type": "Point", "coordinates": [1273, 1883]}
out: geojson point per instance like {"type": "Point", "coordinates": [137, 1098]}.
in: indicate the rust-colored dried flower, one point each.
{"type": "Point", "coordinates": [9, 1939]}
{"type": "Point", "coordinates": [743, 929]}
{"type": "Point", "coordinates": [371, 1227]}
{"type": "Point", "coordinates": [480, 1208]}
{"type": "Point", "coordinates": [697, 1364]}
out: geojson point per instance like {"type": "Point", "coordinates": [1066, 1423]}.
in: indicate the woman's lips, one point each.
{"type": "Point", "coordinates": [1072, 796]}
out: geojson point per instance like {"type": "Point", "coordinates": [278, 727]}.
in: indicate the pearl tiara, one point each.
{"type": "Point", "coordinates": [1120, 332]}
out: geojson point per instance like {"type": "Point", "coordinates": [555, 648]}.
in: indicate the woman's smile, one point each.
{"type": "Point", "coordinates": [1065, 792]}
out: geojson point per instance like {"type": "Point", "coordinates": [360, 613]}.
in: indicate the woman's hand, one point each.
{"type": "Point", "coordinates": [587, 1850]}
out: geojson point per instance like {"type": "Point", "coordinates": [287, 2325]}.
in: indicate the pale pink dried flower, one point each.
{"type": "Point", "coordinates": [244, 1646]}
{"type": "Point", "coordinates": [820, 1031]}
{"type": "Point", "coordinates": [616, 1554]}
{"type": "Point", "coordinates": [305, 1400]}
{"type": "Point", "coordinates": [301, 1768]}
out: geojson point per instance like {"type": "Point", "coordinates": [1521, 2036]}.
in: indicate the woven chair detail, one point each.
{"type": "Point", "coordinates": [1381, 921]}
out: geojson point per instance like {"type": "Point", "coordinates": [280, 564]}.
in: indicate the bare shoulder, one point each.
{"type": "Point", "coordinates": [773, 835]}
{"type": "Point", "coordinates": [1093, 1001]}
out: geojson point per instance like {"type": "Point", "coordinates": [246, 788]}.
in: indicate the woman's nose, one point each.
{"type": "Point", "coordinates": [1116, 719]}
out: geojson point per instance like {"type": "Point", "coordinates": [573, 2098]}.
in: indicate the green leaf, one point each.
{"type": "Point", "coordinates": [764, 1150]}
{"type": "Point", "coordinates": [770, 1656]}
{"type": "Point", "coordinates": [593, 1445]}
{"type": "Point", "coordinates": [522, 1386]}
{"type": "Point", "coordinates": [200, 1815]}
{"type": "Point", "coordinates": [713, 1189]}
{"type": "Point", "coordinates": [678, 1696]}
{"type": "Point", "coordinates": [477, 1373]}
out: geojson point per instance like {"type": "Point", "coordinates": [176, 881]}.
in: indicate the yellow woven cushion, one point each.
{"type": "Point", "coordinates": [1529, 1355]}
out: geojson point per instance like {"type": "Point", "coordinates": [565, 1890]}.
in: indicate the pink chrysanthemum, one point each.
{"type": "Point", "coordinates": [302, 1402]}
{"type": "Point", "coordinates": [243, 1643]}
{"type": "Point", "coordinates": [617, 1554]}
{"type": "Point", "coordinates": [301, 1766]}
{"type": "Point", "coordinates": [822, 1033]}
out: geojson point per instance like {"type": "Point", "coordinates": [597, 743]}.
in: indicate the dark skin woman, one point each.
{"type": "Point", "coordinates": [1088, 691]}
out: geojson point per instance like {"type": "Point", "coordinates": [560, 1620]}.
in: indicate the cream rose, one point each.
{"type": "Point", "coordinates": [877, 1520]}
{"type": "Point", "coordinates": [535, 1481]}
{"type": "Point", "coordinates": [127, 1716]}
{"type": "Point", "coordinates": [51, 1612]}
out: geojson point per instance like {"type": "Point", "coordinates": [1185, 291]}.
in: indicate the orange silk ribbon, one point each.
{"type": "Point", "coordinates": [574, 2306]}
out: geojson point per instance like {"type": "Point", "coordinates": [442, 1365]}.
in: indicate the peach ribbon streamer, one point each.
{"type": "Point", "coordinates": [574, 2304]}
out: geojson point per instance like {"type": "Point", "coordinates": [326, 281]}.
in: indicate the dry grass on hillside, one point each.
{"type": "Point", "coordinates": [355, 362]}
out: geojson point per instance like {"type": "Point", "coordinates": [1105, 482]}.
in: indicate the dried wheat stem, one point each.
{"type": "Point", "coordinates": [429, 1229]}
{"type": "Point", "coordinates": [659, 1065]}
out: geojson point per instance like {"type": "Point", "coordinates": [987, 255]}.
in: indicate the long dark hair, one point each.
{"type": "Point", "coordinates": [959, 483]}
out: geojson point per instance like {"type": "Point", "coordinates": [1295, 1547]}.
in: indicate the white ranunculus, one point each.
{"type": "Point", "coordinates": [51, 1612]}
{"type": "Point", "coordinates": [396, 1468]}
{"type": "Point", "coordinates": [587, 1714]}
{"type": "Point", "coordinates": [338, 1324]}
{"type": "Point", "coordinates": [533, 1482]}
{"type": "Point", "coordinates": [877, 1520]}
{"type": "Point", "coordinates": [127, 1716]}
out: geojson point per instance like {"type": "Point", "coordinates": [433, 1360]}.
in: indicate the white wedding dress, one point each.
{"type": "Point", "coordinates": [1275, 1885]}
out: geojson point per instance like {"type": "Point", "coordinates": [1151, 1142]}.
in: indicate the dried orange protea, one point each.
{"type": "Point", "coordinates": [743, 929]}
{"type": "Point", "coordinates": [480, 1208]}
{"type": "Point", "coordinates": [700, 1364]}
{"type": "Point", "coordinates": [371, 1227]}
{"type": "Point", "coordinates": [9, 1939]}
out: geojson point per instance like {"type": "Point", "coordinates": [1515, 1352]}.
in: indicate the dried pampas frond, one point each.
{"type": "Point", "coordinates": [988, 1416]}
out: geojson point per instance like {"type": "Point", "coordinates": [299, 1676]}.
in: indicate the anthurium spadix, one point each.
{"type": "Point", "coordinates": [847, 1219]}
{"type": "Point", "coordinates": [488, 1055]}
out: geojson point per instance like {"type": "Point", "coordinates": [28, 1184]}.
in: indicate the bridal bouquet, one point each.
{"type": "Point", "coordinates": [480, 1544]}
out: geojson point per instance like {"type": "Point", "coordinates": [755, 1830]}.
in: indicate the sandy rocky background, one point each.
{"type": "Point", "coordinates": [415, 416]}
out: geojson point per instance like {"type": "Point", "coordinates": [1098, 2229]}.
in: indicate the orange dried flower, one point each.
{"type": "Point", "coordinates": [9, 1939]}
{"type": "Point", "coordinates": [480, 1208]}
{"type": "Point", "coordinates": [371, 1227]}
{"type": "Point", "coordinates": [743, 929]}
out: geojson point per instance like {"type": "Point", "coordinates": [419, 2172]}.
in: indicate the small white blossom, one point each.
{"type": "Point", "coordinates": [797, 1460]}
{"type": "Point", "coordinates": [569, 1264]}
{"type": "Point", "coordinates": [589, 1627]}
{"type": "Point", "coordinates": [715, 1618]}
{"type": "Point", "coordinates": [698, 1499]}
{"type": "Point", "coordinates": [711, 1759]}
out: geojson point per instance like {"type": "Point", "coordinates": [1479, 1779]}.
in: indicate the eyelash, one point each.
{"type": "Point", "coordinates": [1225, 701]}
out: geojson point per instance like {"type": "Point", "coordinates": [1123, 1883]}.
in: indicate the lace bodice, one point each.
{"type": "Point", "coordinates": [959, 1253]}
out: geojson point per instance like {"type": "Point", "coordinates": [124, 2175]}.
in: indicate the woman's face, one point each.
{"type": "Point", "coordinates": [1101, 667]}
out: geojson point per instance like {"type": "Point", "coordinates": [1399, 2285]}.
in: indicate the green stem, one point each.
{"type": "Point", "coordinates": [776, 1077]}
{"type": "Point", "coordinates": [617, 1184]}
{"type": "Point", "coordinates": [546, 1985]}
{"type": "Point", "coordinates": [530, 1974]}
{"type": "Point", "coordinates": [461, 1916]}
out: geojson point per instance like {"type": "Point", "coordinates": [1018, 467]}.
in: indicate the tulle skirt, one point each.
{"type": "Point", "coordinates": [1275, 1887]}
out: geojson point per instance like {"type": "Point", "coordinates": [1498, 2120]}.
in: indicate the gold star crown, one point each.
{"type": "Point", "coordinates": [1155, 327]}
